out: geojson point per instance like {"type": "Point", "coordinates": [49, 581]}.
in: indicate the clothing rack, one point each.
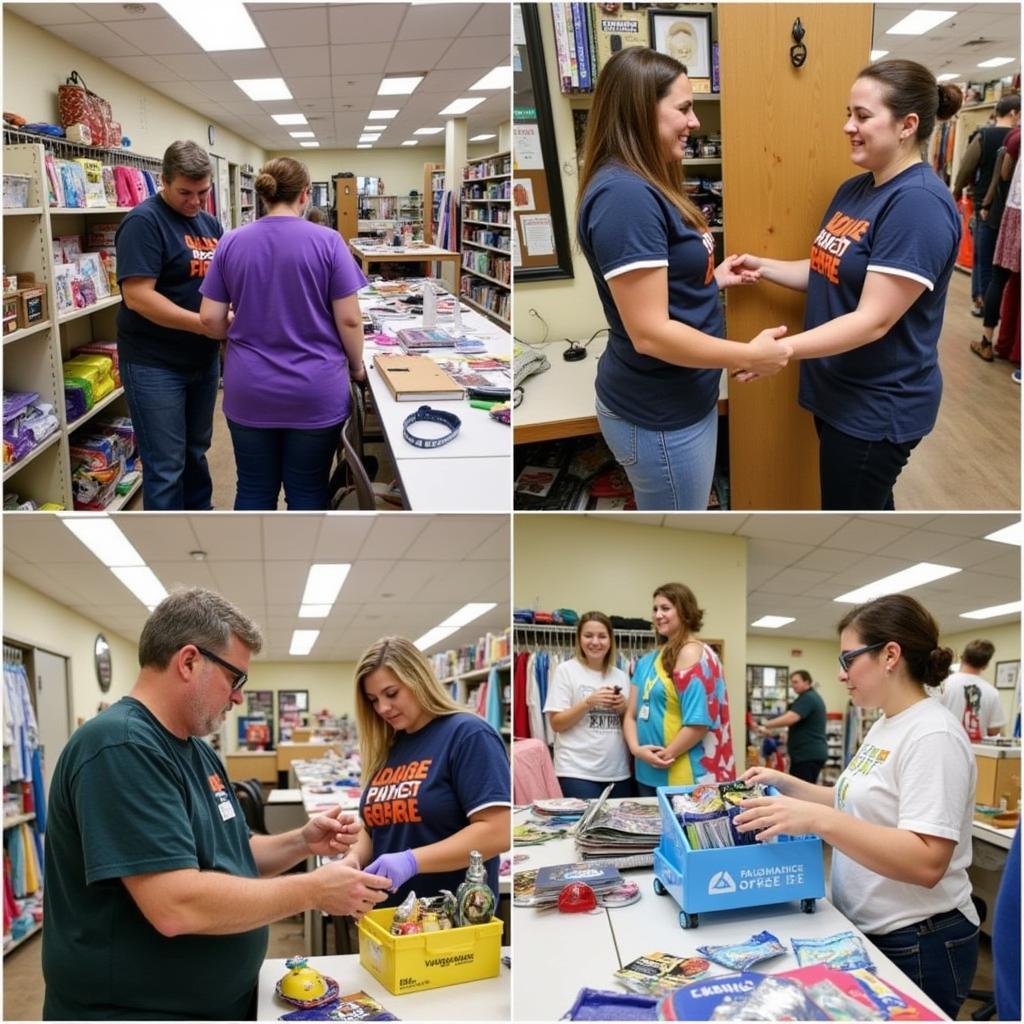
{"type": "Point", "coordinates": [13, 655]}
{"type": "Point", "coordinates": [533, 636]}
{"type": "Point", "coordinates": [64, 150]}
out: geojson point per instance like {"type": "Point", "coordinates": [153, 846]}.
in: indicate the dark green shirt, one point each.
{"type": "Point", "coordinates": [806, 740]}
{"type": "Point", "coordinates": [128, 798]}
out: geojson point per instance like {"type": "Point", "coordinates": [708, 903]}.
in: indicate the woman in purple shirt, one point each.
{"type": "Point", "coordinates": [294, 341]}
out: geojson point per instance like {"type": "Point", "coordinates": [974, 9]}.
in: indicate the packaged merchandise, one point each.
{"type": "Point", "coordinates": [699, 1000]}
{"type": "Point", "coordinates": [475, 902]}
{"type": "Point", "coordinates": [595, 1004]}
{"type": "Point", "coordinates": [425, 914]}
{"type": "Point", "coordinates": [894, 1004]}
{"type": "Point", "coordinates": [353, 1006]}
{"type": "Point", "coordinates": [742, 955]}
{"type": "Point", "coordinates": [772, 999]}
{"type": "Point", "coordinates": [659, 973]}
{"type": "Point", "coordinates": [844, 951]}
{"type": "Point", "coordinates": [92, 171]}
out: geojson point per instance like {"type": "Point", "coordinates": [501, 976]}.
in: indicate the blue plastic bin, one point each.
{"type": "Point", "coordinates": [790, 868]}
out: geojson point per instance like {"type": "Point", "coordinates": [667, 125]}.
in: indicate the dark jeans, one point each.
{"type": "Point", "coordinates": [267, 457]}
{"type": "Point", "coordinates": [806, 770]}
{"type": "Point", "coordinates": [939, 955]}
{"type": "Point", "coordinates": [642, 789]}
{"type": "Point", "coordinates": [985, 236]}
{"type": "Point", "coordinates": [587, 789]}
{"type": "Point", "coordinates": [994, 295]}
{"type": "Point", "coordinates": [856, 475]}
{"type": "Point", "coordinates": [172, 413]}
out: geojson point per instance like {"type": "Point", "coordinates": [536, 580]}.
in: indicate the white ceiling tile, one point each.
{"type": "Point", "coordinates": [304, 27]}
{"type": "Point", "coordinates": [828, 560]}
{"type": "Point", "coordinates": [794, 581]}
{"type": "Point", "coordinates": [970, 524]}
{"type": "Point", "coordinates": [435, 21]}
{"type": "Point", "coordinates": [391, 536]}
{"type": "Point", "coordinates": [303, 61]}
{"type": "Point", "coordinates": [359, 59]}
{"type": "Point", "coordinates": [470, 53]}
{"type": "Point", "coordinates": [922, 546]}
{"type": "Point", "coordinates": [364, 23]}
{"type": "Point", "coordinates": [313, 87]}
{"type": "Point", "coordinates": [776, 552]}
{"type": "Point", "coordinates": [714, 522]}
{"type": "Point", "coordinates": [802, 529]}
{"type": "Point", "coordinates": [194, 67]}
{"type": "Point", "coordinates": [453, 535]}
{"type": "Point", "coordinates": [145, 69]}
{"type": "Point", "coordinates": [231, 535]}
{"type": "Point", "coordinates": [184, 574]}
{"type": "Point", "coordinates": [342, 539]}
{"type": "Point", "coordinates": [866, 537]}
{"type": "Point", "coordinates": [95, 39]}
{"type": "Point", "coordinates": [491, 19]}
{"type": "Point", "coordinates": [246, 63]}
{"type": "Point", "coordinates": [361, 88]}
{"type": "Point", "coordinates": [454, 82]}
{"type": "Point", "coordinates": [49, 14]}
{"type": "Point", "coordinates": [415, 56]}
{"type": "Point", "coordinates": [157, 36]}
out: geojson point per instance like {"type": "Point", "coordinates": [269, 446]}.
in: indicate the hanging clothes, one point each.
{"type": "Point", "coordinates": [520, 710]}
{"type": "Point", "coordinates": [493, 710]}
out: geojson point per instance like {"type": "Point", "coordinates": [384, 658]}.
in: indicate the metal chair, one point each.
{"type": "Point", "coordinates": [351, 476]}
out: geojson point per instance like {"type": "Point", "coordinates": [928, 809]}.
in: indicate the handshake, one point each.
{"type": "Point", "coordinates": [767, 353]}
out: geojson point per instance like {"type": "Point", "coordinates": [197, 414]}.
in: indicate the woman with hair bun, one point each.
{"type": "Point", "coordinates": [899, 817]}
{"type": "Point", "coordinates": [677, 720]}
{"type": "Point", "coordinates": [876, 284]}
{"type": "Point", "coordinates": [294, 341]}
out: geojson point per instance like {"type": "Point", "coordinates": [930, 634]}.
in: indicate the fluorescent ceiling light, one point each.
{"type": "Point", "coordinates": [103, 537]}
{"type": "Point", "coordinates": [399, 86]}
{"type": "Point", "coordinates": [309, 145]}
{"type": "Point", "coordinates": [411, 142]}
{"type": "Point", "coordinates": [917, 23]}
{"type": "Point", "coordinates": [773, 621]}
{"type": "Point", "coordinates": [878, 55]}
{"type": "Point", "coordinates": [432, 637]}
{"type": "Point", "coordinates": [315, 611]}
{"type": "Point", "coordinates": [996, 62]}
{"type": "Point", "coordinates": [499, 78]}
{"type": "Point", "coordinates": [428, 131]}
{"type": "Point", "coordinates": [324, 582]}
{"type": "Point", "coordinates": [224, 25]}
{"type": "Point", "coordinates": [907, 579]}
{"type": "Point", "coordinates": [948, 78]}
{"type": "Point", "coordinates": [992, 611]}
{"type": "Point", "coordinates": [381, 115]}
{"type": "Point", "coordinates": [467, 613]}
{"type": "Point", "coordinates": [264, 88]}
{"type": "Point", "coordinates": [290, 118]}
{"type": "Point", "coordinates": [481, 138]}
{"type": "Point", "coordinates": [1012, 534]}
{"type": "Point", "coordinates": [303, 135]}
{"type": "Point", "coordinates": [462, 106]}
{"type": "Point", "coordinates": [303, 640]}
{"type": "Point", "coordinates": [369, 137]}
{"type": "Point", "coordinates": [366, 145]}
{"type": "Point", "coordinates": [374, 127]}
{"type": "Point", "coordinates": [142, 582]}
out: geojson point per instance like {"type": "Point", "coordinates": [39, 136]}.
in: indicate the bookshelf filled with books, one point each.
{"type": "Point", "coordinates": [486, 235]}
{"type": "Point", "coordinates": [480, 677]}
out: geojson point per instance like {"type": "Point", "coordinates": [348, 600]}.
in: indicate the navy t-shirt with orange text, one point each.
{"type": "Point", "coordinates": [154, 241]}
{"type": "Point", "coordinates": [888, 389]}
{"type": "Point", "coordinates": [432, 781]}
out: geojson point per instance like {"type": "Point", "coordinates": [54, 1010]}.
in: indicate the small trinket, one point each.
{"type": "Point", "coordinates": [576, 898]}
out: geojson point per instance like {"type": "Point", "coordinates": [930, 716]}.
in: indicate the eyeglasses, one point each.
{"type": "Point", "coordinates": [241, 677]}
{"type": "Point", "coordinates": [845, 657]}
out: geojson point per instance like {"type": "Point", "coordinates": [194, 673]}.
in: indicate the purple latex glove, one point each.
{"type": "Point", "coordinates": [397, 868]}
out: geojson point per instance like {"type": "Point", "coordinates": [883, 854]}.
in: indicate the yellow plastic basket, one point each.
{"type": "Point", "coordinates": [412, 963]}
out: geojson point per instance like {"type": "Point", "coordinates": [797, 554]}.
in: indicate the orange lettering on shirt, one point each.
{"type": "Point", "coordinates": [215, 783]}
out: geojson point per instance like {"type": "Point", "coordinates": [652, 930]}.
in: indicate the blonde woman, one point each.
{"type": "Point", "coordinates": [437, 780]}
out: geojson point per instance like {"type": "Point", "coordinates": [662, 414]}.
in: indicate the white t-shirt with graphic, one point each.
{"type": "Point", "coordinates": [913, 771]}
{"type": "Point", "coordinates": [974, 703]}
{"type": "Point", "coordinates": [594, 748]}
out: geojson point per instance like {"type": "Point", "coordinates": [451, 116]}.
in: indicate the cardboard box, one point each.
{"type": "Point", "coordinates": [31, 305]}
{"type": "Point", "coordinates": [412, 963]}
{"type": "Point", "coordinates": [998, 778]}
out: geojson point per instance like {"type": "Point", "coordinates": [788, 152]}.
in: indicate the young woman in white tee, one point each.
{"type": "Point", "coordinates": [585, 705]}
{"type": "Point", "coordinates": [899, 817]}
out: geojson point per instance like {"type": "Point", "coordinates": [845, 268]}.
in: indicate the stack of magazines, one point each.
{"type": "Point", "coordinates": [541, 888]}
{"type": "Point", "coordinates": [625, 835]}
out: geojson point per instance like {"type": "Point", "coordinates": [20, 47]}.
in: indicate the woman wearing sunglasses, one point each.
{"type": "Point", "coordinates": [899, 817]}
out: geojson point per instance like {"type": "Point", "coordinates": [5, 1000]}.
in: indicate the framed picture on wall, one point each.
{"type": "Point", "coordinates": [1006, 674]}
{"type": "Point", "coordinates": [685, 35]}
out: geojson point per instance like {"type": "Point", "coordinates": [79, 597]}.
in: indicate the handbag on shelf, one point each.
{"type": "Point", "coordinates": [78, 104]}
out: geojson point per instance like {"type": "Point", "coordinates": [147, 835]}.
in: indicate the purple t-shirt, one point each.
{"type": "Point", "coordinates": [285, 364]}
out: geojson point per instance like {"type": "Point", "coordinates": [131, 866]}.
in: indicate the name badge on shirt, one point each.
{"type": "Point", "coordinates": [227, 812]}
{"type": "Point", "coordinates": [645, 712]}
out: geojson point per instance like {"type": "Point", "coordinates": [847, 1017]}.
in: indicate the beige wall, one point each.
{"type": "Point", "coordinates": [38, 620]}
{"type": "Point", "coordinates": [1007, 641]}
{"type": "Point", "coordinates": [580, 562]}
{"type": "Point", "coordinates": [35, 63]}
{"type": "Point", "coordinates": [818, 658]}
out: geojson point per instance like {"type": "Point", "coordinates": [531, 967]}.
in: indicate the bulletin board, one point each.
{"type": "Point", "coordinates": [540, 240]}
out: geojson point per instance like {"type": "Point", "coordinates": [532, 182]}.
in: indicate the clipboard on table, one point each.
{"type": "Point", "coordinates": [416, 379]}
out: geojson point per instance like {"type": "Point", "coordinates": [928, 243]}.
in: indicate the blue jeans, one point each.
{"type": "Point", "coordinates": [268, 457]}
{"type": "Point", "coordinates": [669, 469]}
{"type": "Point", "coordinates": [586, 789]}
{"type": "Point", "coordinates": [985, 237]}
{"type": "Point", "coordinates": [939, 955]}
{"type": "Point", "coordinates": [172, 413]}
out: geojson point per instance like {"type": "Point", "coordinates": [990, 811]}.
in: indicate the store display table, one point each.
{"type": "Point", "coordinates": [573, 951]}
{"type": "Point", "coordinates": [368, 253]}
{"type": "Point", "coordinates": [475, 1000]}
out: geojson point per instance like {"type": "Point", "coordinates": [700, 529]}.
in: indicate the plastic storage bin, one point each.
{"type": "Point", "coordinates": [412, 963]}
{"type": "Point", "coordinates": [791, 868]}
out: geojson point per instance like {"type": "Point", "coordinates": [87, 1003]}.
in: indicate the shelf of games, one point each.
{"type": "Point", "coordinates": [486, 236]}
{"type": "Point", "coordinates": [60, 305]}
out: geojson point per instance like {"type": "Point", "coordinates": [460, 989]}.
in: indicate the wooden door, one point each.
{"type": "Point", "coordinates": [784, 156]}
{"type": "Point", "coordinates": [346, 207]}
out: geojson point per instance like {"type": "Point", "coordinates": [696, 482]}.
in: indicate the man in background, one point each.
{"type": "Point", "coordinates": [974, 701]}
{"type": "Point", "coordinates": [805, 719]}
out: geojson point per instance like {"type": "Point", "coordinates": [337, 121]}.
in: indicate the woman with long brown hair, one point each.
{"type": "Point", "coordinates": [677, 720]}
{"type": "Point", "coordinates": [652, 257]}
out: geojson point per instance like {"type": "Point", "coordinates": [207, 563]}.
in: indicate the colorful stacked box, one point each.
{"type": "Point", "coordinates": [102, 454]}
{"type": "Point", "coordinates": [87, 379]}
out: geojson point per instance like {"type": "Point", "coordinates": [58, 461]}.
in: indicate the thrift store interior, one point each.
{"type": "Point", "coordinates": [762, 176]}
{"type": "Point", "coordinates": [399, 116]}
{"type": "Point", "coordinates": [752, 612]}
{"type": "Point", "coordinates": [89, 599]}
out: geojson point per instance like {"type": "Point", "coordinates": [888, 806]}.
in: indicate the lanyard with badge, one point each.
{"type": "Point", "coordinates": [645, 707]}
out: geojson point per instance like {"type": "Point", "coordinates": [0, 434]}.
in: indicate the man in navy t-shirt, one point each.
{"type": "Point", "coordinates": [169, 367]}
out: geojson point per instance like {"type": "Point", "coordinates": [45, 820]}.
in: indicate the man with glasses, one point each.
{"type": "Point", "coordinates": [157, 897]}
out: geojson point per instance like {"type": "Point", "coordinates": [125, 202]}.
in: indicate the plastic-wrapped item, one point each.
{"type": "Point", "coordinates": [742, 955]}
{"type": "Point", "coordinates": [836, 1004]}
{"type": "Point", "coordinates": [892, 1004]}
{"type": "Point", "coordinates": [443, 906]}
{"type": "Point", "coordinates": [844, 951]}
{"type": "Point", "coordinates": [96, 370]}
{"type": "Point", "coordinates": [595, 1004]}
{"type": "Point", "coordinates": [773, 999]}
{"type": "Point", "coordinates": [407, 912]}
